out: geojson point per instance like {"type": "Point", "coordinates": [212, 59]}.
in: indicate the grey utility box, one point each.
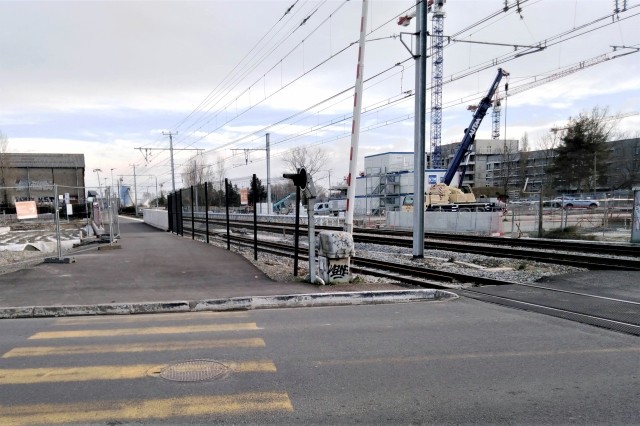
{"type": "Point", "coordinates": [335, 249]}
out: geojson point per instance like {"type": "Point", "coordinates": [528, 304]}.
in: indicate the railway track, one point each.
{"type": "Point", "coordinates": [587, 308]}
{"type": "Point", "coordinates": [620, 249]}
{"type": "Point", "coordinates": [572, 254]}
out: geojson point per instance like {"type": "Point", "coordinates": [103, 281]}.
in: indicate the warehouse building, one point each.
{"type": "Point", "coordinates": [31, 177]}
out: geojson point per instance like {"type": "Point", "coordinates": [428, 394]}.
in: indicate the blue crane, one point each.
{"type": "Point", "coordinates": [470, 132]}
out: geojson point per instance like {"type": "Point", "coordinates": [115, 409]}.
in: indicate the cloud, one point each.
{"type": "Point", "coordinates": [106, 77]}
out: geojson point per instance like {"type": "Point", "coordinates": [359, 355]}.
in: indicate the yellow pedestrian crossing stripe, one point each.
{"type": "Point", "coordinates": [144, 331]}
{"type": "Point", "coordinates": [148, 318]}
{"type": "Point", "coordinates": [142, 410]}
{"type": "Point", "coordinates": [133, 348]}
{"type": "Point", "coordinates": [149, 409]}
{"type": "Point", "coordinates": [110, 372]}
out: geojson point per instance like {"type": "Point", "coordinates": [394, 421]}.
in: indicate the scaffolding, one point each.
{"type": "Point", "coordinates": [382, 191]}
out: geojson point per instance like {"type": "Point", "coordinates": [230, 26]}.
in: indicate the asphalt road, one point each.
{"type": "Point", "coordinates": [459, 362]}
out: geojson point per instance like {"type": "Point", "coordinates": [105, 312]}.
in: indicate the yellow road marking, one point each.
{"type": "Point", "coordinates": [110, 372]}
{"type": "Point", "coordinates": [144, 331]}
{"type": "Point", "coordinates": [130, 348]}
{"type": "Point", "coordinates": [148, 317]}
{"type": "Point", "coordinates": [151, 409]}
{"type": "Point", "coordinates": [409, 359]}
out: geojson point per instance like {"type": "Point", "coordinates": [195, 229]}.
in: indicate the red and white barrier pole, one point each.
{"type": "Point", "coordinates": [355, 125]}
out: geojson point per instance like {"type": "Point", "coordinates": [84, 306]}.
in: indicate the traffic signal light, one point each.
{"type": "Point", "coordinates": [299, 179]}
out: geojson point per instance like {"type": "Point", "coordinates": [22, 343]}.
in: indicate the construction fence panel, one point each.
{"type": "Point", "coordinates": [52, 219]}
{"type": "Point", "coordinates": [28, 220]}
{"type": "Point", "coordinates": [612, 215]}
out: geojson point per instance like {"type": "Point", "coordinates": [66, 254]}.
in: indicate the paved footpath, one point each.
{"type": "Point", "coordinates": [155, 271]}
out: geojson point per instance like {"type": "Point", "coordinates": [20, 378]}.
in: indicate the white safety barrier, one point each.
{"type": "Point", "coordinates": [487, 223]}
{"type": "Point", "coordinates": [158, 218]}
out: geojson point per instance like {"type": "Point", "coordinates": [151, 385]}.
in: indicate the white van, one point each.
{"type": "Point", "coordinates": [321, 209]}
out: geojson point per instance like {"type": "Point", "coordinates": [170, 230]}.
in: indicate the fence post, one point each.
{"type": "Point", "coordinates": [193, 218]}
{"type": "Point", "coordinates": [180, 224]}
{"type": "Point", "coordinates": [111, 219]}
{"type": "Point", "coordinates": [206, 209]}
{"type": "Point", "coordinates": [226, 202]}
{"type": "Point", "coordinates": [170, 212]}
{"type": "Point", "coordinates": [57, 220]}
{"type": "Point", "coordinates": [541, 211]}
{"type": "Point", "coordinates": [297, 233]}
{"type": "Point", "coordinates": [174, 199]}
{"type": "Point", "coordinates": [254, 187]}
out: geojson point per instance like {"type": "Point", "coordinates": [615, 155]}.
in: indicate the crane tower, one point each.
{"type": "Point", "coordinates": [495, 115]}
{"type": "Point", "coordinates": [436, 82]}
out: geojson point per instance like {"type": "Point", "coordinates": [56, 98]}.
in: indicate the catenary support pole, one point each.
{"type": "Point", "coordinates": [135, 190]}
{"type": "Point", "coordinates": [419, 132]}
{"type": "Point", "coordinates": [173, 175]}
{"type": "Point", "coordinates": [269, 204]}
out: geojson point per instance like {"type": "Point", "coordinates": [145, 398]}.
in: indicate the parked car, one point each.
{"type": "Point", "coordinates": [570, 203]}
{"type": "Point", "coordinates": [321, 209]}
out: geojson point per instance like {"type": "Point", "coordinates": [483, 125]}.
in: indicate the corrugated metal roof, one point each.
{"type": "Point", "coordinates": [45, 160]}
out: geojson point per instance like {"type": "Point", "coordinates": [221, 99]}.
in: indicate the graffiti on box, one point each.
{"type": "Point", "coordinates": [338, 271]}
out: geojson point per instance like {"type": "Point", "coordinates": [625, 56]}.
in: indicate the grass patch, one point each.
{"type": "Point", "coordinates": [568, 233]}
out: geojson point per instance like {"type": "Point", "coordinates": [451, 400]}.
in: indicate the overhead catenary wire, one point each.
{"type": "Point", "coordinates": [290, 52]}
{"type": "Point", "coordinates": [510, 57]}
{"type": "Point", "coordinates": [233, 71]}
{"type": "Point", "coordinates": [236, 81]}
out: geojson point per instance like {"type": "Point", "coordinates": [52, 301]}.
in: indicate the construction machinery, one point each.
{"type": "Point", "coordinates": [446, 197]}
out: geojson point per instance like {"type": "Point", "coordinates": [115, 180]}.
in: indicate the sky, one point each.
{"type": "Point", "coordinates": [107, 78]}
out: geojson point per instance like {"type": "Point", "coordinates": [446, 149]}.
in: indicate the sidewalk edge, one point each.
{"type": "Point", "coordinates": [232, 304]}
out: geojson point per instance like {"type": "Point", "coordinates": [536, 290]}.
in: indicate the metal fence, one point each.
{"type": "Point", "coordinates": [611, 218]}
{"type": "Point", "coordinates": [54, 218]}
{"type": "Point", "coordinates": [199, 206]}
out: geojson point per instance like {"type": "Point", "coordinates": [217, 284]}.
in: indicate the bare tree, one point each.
{"type": "Point", "coordinates": [196, 171]}
{"type": "Point", "coordinates": [312, 159]}
{"type": "Point", "coordinates": [507, 161]}
{"type": "Point", "coordinates": [524, 143]}
{"type": "Point", "coordinates": [548, 144]}
{"type": "Point", "coordinates": [219, 173]}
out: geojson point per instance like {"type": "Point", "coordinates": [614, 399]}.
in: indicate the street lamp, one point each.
{"type": "Point", "coordinates": [97, 171]}
{"type": "Point", "coordinates": [112, 179]}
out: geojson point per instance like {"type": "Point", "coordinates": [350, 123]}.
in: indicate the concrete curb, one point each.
{"type": "Point", "coordinates": [232, 304]}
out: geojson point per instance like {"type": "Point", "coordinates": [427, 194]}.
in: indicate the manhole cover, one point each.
{"type": "Point", "coordinates": [196, 370]}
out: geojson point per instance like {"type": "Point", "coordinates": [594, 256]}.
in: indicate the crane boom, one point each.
{"type": "Point", "coordinates": [470, 132]}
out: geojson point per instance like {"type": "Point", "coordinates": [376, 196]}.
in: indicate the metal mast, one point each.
{"type": "Point", "coordinates": [495, 115]}
{"type": "Point", "coordinates": [419, 131]}
{"type": "Point", "coordinates": [436, 82]}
